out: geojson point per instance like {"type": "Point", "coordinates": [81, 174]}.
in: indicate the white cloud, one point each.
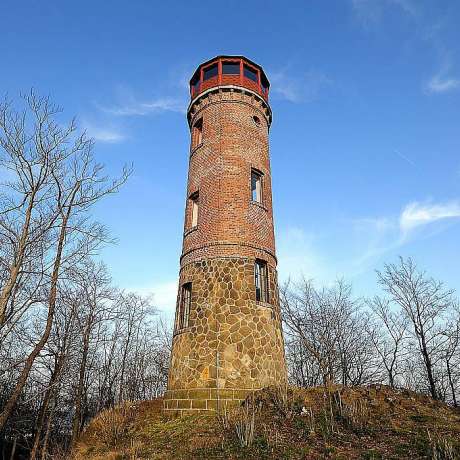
{"type": "Point", "coordinates": [367, 11]}
{"type": "Point", "coordinates": [298, 256]}
{"type": "Point", "coordinates": [164, 295]}
{"type": "Point", "coordinates": [110, 135]}
{"type": "Point", "coordinates": [371, 11]}
{"type": "Point", "coordinates": [404, 157]}
{"type": "Point", "coordinates": [408, 6]}
{"type": "Point", "coordinates": [363, 242]}
{"type": "Point", "coordinates": [416, 214]}
{"type": "Point", "coordinates": [137, 108]}
{"type": "Point", "coordinates": [382, 235]}
{"type": "Point", "coordinates": [299, 88]}
{"type": "Point", "coordinates": [106, 135]}
{"type": "Point", "coordinates": [439, 84]}
{"type": "Point", "coordinates": [374, 237]}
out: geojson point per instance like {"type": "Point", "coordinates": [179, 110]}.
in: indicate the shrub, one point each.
{"type": "Point", "coordinates": [112, 425]}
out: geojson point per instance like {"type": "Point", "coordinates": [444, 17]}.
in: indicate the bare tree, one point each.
{"type": "Point", "coordinates": [325, 330]}
{"type": "Point", "coordinates": [95, 307]}
{"type": "Point", "coordinates": [56, 358]}
{"type": "Point", "coordinates": [424, 301]}
{"type": "Point", "coordinates": [45, 216]}
{"type": "Point", "coordinates": [59, 310]}
{"type": "Point", "coordinates": [388, 340]}
{"type": "Point", "coordinates": [451, 353]}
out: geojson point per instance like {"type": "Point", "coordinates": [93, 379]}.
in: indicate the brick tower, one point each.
{"type": "Point", "coordinates": [227, 337]}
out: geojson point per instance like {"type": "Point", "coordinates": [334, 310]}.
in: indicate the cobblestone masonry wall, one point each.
{"type": "Point", "coordinates": [232, 343]}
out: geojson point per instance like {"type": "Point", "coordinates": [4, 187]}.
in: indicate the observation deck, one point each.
{"type": "Point", "coordinates": [229, 71]}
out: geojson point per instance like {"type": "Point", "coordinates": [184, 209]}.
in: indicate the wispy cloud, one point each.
{"type": "Point", "coordinates": [150, 107]}
{"type": "Point", "coordinates": [428, 29]}
{"type": "Point", "coordinates": [163, 293]}
{"type": "Point", "coordinates": [408, 6]}
{"type": "Point", "coordinates": [367, 11]}
{"type": "Point", "coordinates": [404, 157]}
{"type": "Point", "coordinates": [370, 12]}
{"type": "Point", "coordinates": [103, 132]}
{"type": "Point", "coordinates": [442, 84]}
{"type": "Point", "coordinates": [105, 135]}
{"type": "Point", "coordinates": [296, 253]}
{"type": "Point", "coordinates": [363, 242]}
{"type": "Point", "coordinates": [385, 234]}
{"type": "Point", "coordinates": [299, 88]}
{"type": "Point", "coordinates": [416, 215]}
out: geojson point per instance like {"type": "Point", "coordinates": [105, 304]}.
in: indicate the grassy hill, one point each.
{"type": "Point", "coordinates": [372, 422]}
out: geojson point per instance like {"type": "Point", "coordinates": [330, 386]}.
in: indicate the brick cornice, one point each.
{"type": "Point", "coordinates": [266, 113]}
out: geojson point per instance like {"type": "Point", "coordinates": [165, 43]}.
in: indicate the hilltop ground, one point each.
{"type": "Point", "coordinates": [373, 422]}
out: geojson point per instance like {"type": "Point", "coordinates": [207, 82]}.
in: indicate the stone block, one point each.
{"type": "Point", "coordinates": [199, 404]}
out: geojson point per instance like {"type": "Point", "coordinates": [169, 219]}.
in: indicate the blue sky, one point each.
{"type": "Point", "coordinates": [365, 143]}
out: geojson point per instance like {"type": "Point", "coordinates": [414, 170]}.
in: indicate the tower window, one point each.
{"type": "Point", "coordinates": [250, 73]}
{"type": "Point", "coordinates": [197, 133]}
{"type": "Point", "coordinates": [194, 203]}
{"type": "Point", "coordinates": [210, 72]}
{"type": "Point", "coordinates": [256, 186]}
{"type": "Point", "coordinates": [261, 280]}
{"type": "Point", "coordinates": [264, 83]}
{"type": "Point", "coordinates": [196, 84]}
{"type": "Point", "coordinates": [231, 68]}
{"type": "Point", "coordinates": [185, 303]}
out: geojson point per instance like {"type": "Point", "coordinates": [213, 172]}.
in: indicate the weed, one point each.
{"type": "Point", "coordinates": [372, 455]}
{"type": "Point", "coordinates": [421, 418]}
{"type": "Point", "coordinates": [112, 425]}
{"type": "Point", "coordinates": [441, 448]}
{"type": "Point", "coordinates": [244, 425]}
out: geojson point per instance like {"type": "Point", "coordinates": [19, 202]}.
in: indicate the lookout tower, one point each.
{"type": "Point", "coordinates": [227, 337]}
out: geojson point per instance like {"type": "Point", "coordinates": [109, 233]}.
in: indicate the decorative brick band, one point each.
{"type": "Point", "coordinates": [219, 257]}
{"type": "Point", "coordinates": [237, 244]}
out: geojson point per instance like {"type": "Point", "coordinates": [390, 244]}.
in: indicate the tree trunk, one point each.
{"type": "Point", "coordinates": [44, 408]}
{"type": "Point", "coordinates": [76, 423]}
{"type": "Point", "coordinates": [391, 379]}
{"type": "Point", "coordinates": [17, 265]}
{"type": "Point", "coordinates": [47, 432]}
{"type": "Point", "coordinates": [451, 383]}
{"type": "Point", "coordinates": [429, 366]}
{"type": "Point", "coordinates": [10, 404]}
{"type": "Point", "coordinates": [13, 449]}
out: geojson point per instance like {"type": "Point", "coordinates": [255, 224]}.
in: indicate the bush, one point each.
{"type": "Point", "coordinates": [112, 425]}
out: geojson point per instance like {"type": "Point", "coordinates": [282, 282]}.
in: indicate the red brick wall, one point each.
{"type": "Point", "coordinates": [220, 170]}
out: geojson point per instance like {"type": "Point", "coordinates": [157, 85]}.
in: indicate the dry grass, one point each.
{"type": "Point", "coordinates": [340, 423]}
